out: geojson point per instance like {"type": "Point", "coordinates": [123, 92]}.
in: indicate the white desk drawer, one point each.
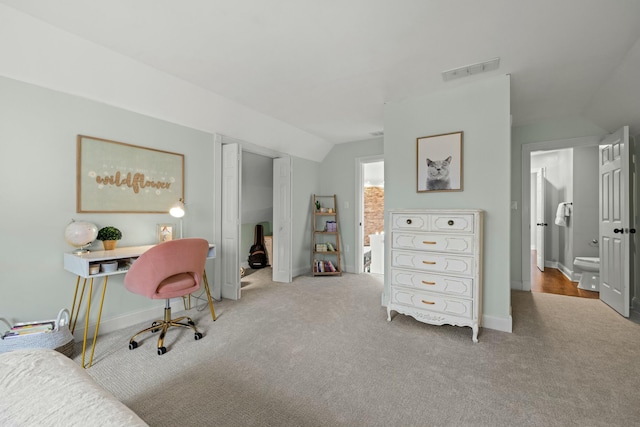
{"type": "Point", "coordinates": [426, 261]}
{"type": "Point", "coordinates": [432, 302]}
{"type": "Point", "coordinates": [432, 242]}
{"type": "Point", "coordinates": [456, 286]}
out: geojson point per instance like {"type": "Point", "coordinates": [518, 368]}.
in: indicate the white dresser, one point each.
{"type": "Point", "coordinates": [435, 266]}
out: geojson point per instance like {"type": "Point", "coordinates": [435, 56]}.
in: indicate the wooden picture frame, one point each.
{"type": "Point", "coordinates": [115, 177]}
{"type": "Point", "coordinates": [439, 163]}
{"type": "Point", "coordinates": [165, 232]}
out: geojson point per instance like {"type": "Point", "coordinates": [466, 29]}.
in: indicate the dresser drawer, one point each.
{"type": "Point", "coordinates": [456, 286]}
{"type": "Point", "coordinates": [432, 302]}
{"type": "Point", "coordinates": [432, 242]}
{"type": "Point", "coordinates": [426, 261]}
{"type": "Point", "coordinates": [408, 221]}
{"type": "Point", "coordinates": [460, 223]}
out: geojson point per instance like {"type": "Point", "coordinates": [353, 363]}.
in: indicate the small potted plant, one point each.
{"type": "Point", "coordinates": [109, 235]}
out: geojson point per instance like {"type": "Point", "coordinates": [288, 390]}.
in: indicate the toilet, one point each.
{"type": "Point", "coordinates": [590, 269]}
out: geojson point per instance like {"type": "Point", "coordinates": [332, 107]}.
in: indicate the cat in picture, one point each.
{"type": "Point", "coordinates": [438, 174]}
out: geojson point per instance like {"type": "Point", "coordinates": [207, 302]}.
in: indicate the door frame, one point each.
{"type": "Point", "coordinates": [359, 208]}
{"type": "Point", "coordinates": [527, 149]}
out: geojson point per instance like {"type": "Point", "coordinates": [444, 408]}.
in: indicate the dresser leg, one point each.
{"type": "Point", "coordinates": [388, 314]}
{"type": "Point", "coordinates": [475, 332]}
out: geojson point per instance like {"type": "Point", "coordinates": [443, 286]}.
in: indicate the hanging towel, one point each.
{"type": "Point", "coordinates": [562, 213]}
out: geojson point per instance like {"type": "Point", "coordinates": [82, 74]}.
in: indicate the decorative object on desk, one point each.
{"type": "Point", "coordinates": [53, 334]}
{"type": "Point", "coordinates": [109, 235]}
{"type": "Point", "coordinates": [117, 177]}
{"type": "Point", "coordinates": [94, 268]}
{"type": "Point", "coordinates": [165, 232]}
{"type": "Point", "coordinates": [177, 211]}
{"type": "Point", "coordinates": [439, 163]}
{"type": "Point", "coordinates": [80, 234]}
{"type": "Point", "coordinates": [109, 267]}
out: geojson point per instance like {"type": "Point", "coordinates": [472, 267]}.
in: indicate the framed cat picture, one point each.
{"type": "Point", "coordinates": [439, 162]}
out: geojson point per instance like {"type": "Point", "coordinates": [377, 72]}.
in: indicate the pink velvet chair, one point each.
{"type": "Point", "coordinates": [169, 270]}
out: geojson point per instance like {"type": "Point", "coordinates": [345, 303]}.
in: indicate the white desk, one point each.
{"type": "Point", "coordinates": [78, 264]}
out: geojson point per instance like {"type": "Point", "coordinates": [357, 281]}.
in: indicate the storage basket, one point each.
{"type": "Point", "coordinates": [60, 338]}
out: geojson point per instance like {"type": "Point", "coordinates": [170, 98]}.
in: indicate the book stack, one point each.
{"type": "Point", "coordinates": [21, 329]}
{"type": "Point", "coordinates": [325, 267]}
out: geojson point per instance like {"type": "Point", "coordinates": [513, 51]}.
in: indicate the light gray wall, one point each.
{"type": "Point", "coordinates": [38, 172]}
{"type": "Point", "coordinates": [306, 181]}
{"type": "Point", "coordinates": [257, 199]}
{"type": "Point", "coordinates": [585, 201]}
{"type": "Point", "coordinates": [482, 111]}
{"type": "Point", "coordinates": [338, 176]}
{"type": "Point", "coordinates": [562, 128]}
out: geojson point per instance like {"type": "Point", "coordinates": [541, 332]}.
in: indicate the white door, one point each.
{"type": "Point", "coordinates": [231, 187]}
{"type": "Point", "coordinates": [541, 225]}
{"type": "Point", "coordinates": [615, 221]}
{"type": "Point", "coordinates": [282, 237]}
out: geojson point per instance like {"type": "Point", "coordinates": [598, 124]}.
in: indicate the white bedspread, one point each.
{"type": "Point", "coordinates": [45, 388]}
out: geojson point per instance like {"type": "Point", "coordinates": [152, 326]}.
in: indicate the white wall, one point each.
{"type": "Point", "coordinates": [306, 181]}
{"type": "Point", "coordinates": [38, 172]}
{"type": "Point", "coordinates": [482, 111]}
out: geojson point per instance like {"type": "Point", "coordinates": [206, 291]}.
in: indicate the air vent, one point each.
{"type": "Point", "coordinates": [377, 133]}
{"type": "Point", "coordinates": [468, 70]}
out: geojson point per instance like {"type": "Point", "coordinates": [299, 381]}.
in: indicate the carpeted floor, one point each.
{"type": "Point", "coordinates": [319, 352]}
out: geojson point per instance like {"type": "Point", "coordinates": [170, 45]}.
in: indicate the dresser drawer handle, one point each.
{"type": "Point", "coordinates": [408, 221]}
{"type": "Point", "coordinates": [428, 302]}
{"type": "Point", "coordinates": [450, 222]}
{"type": "Point", "coordinates": [429, 262]}
{"type": "Point", "coordinates": [424, 282]}
{"type": "Point", "coordinates": [426, 242]}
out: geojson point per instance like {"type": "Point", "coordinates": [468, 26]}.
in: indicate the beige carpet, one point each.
{"type": "Point", "coordinates": [319, 352]}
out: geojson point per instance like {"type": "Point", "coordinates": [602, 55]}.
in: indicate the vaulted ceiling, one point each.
{"type": "Point", "coordinates": [328, 67]}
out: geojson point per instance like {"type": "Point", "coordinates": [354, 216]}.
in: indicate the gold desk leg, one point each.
{"type": "Point", "coordinates": [95, 334]}
{"type": "Point", "coordinates": [206, 288]}
{"type": "Point", "coordinates": [73, 319]}
{"type": "Point", "coordinates": [86, 321]}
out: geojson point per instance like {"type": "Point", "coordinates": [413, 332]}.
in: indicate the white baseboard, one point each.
{"type": "Point", "coordinates": [503, 324]}
{"type": "Point", "coordinates": [516, 285]}
{"type": "Point", "coordinates": [568, 273]}
{"type": "Point", "coordinates": [120, 322]}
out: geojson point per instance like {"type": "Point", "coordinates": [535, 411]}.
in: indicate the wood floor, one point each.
{"type": "Point", "coordinates": [552, 281]}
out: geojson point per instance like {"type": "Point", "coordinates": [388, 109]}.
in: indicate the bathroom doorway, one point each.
{"type": "Point", "coordinates": [564, 217]}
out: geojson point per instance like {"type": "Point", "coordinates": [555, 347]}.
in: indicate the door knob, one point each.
{"type": "Point", "coordinates": [618, 230]}
{"type": "Point", "coordinates": [632, 230]}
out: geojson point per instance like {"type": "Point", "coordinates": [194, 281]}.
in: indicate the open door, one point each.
{"type": "Point", "coordinates": [541, 225]}
{"type": "Point", "coordinates": [282, 261]}
{"type": "Point", "coordinates": [231, 197]}
{"type": "Point", "coordinates": [615, 219]}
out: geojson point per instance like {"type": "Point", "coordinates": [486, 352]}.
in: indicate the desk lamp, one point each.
{"type": "Point", "coordinates": [177, 211]}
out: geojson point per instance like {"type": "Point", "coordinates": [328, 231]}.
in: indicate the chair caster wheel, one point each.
{"type": "Point", "coordinates": [153, 331]}
{"type": "Point", "coordinates": [162, 350]}
{"type": "Point", "coordinates": [197, 336]}
{"type": "Point", "coordinates": [133, 345]}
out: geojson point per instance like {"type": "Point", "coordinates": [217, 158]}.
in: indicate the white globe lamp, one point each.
{"type": "Point", "coordinates": [80, 234]}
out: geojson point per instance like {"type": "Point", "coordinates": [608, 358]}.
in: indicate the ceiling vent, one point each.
{"type": "Point", "coordinates": [377, 133]}
{"type": "Point", "coordinates": [468, 70]}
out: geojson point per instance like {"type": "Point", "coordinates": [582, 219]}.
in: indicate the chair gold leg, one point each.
{"type": "Point", "coordinates": [209, 299]}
